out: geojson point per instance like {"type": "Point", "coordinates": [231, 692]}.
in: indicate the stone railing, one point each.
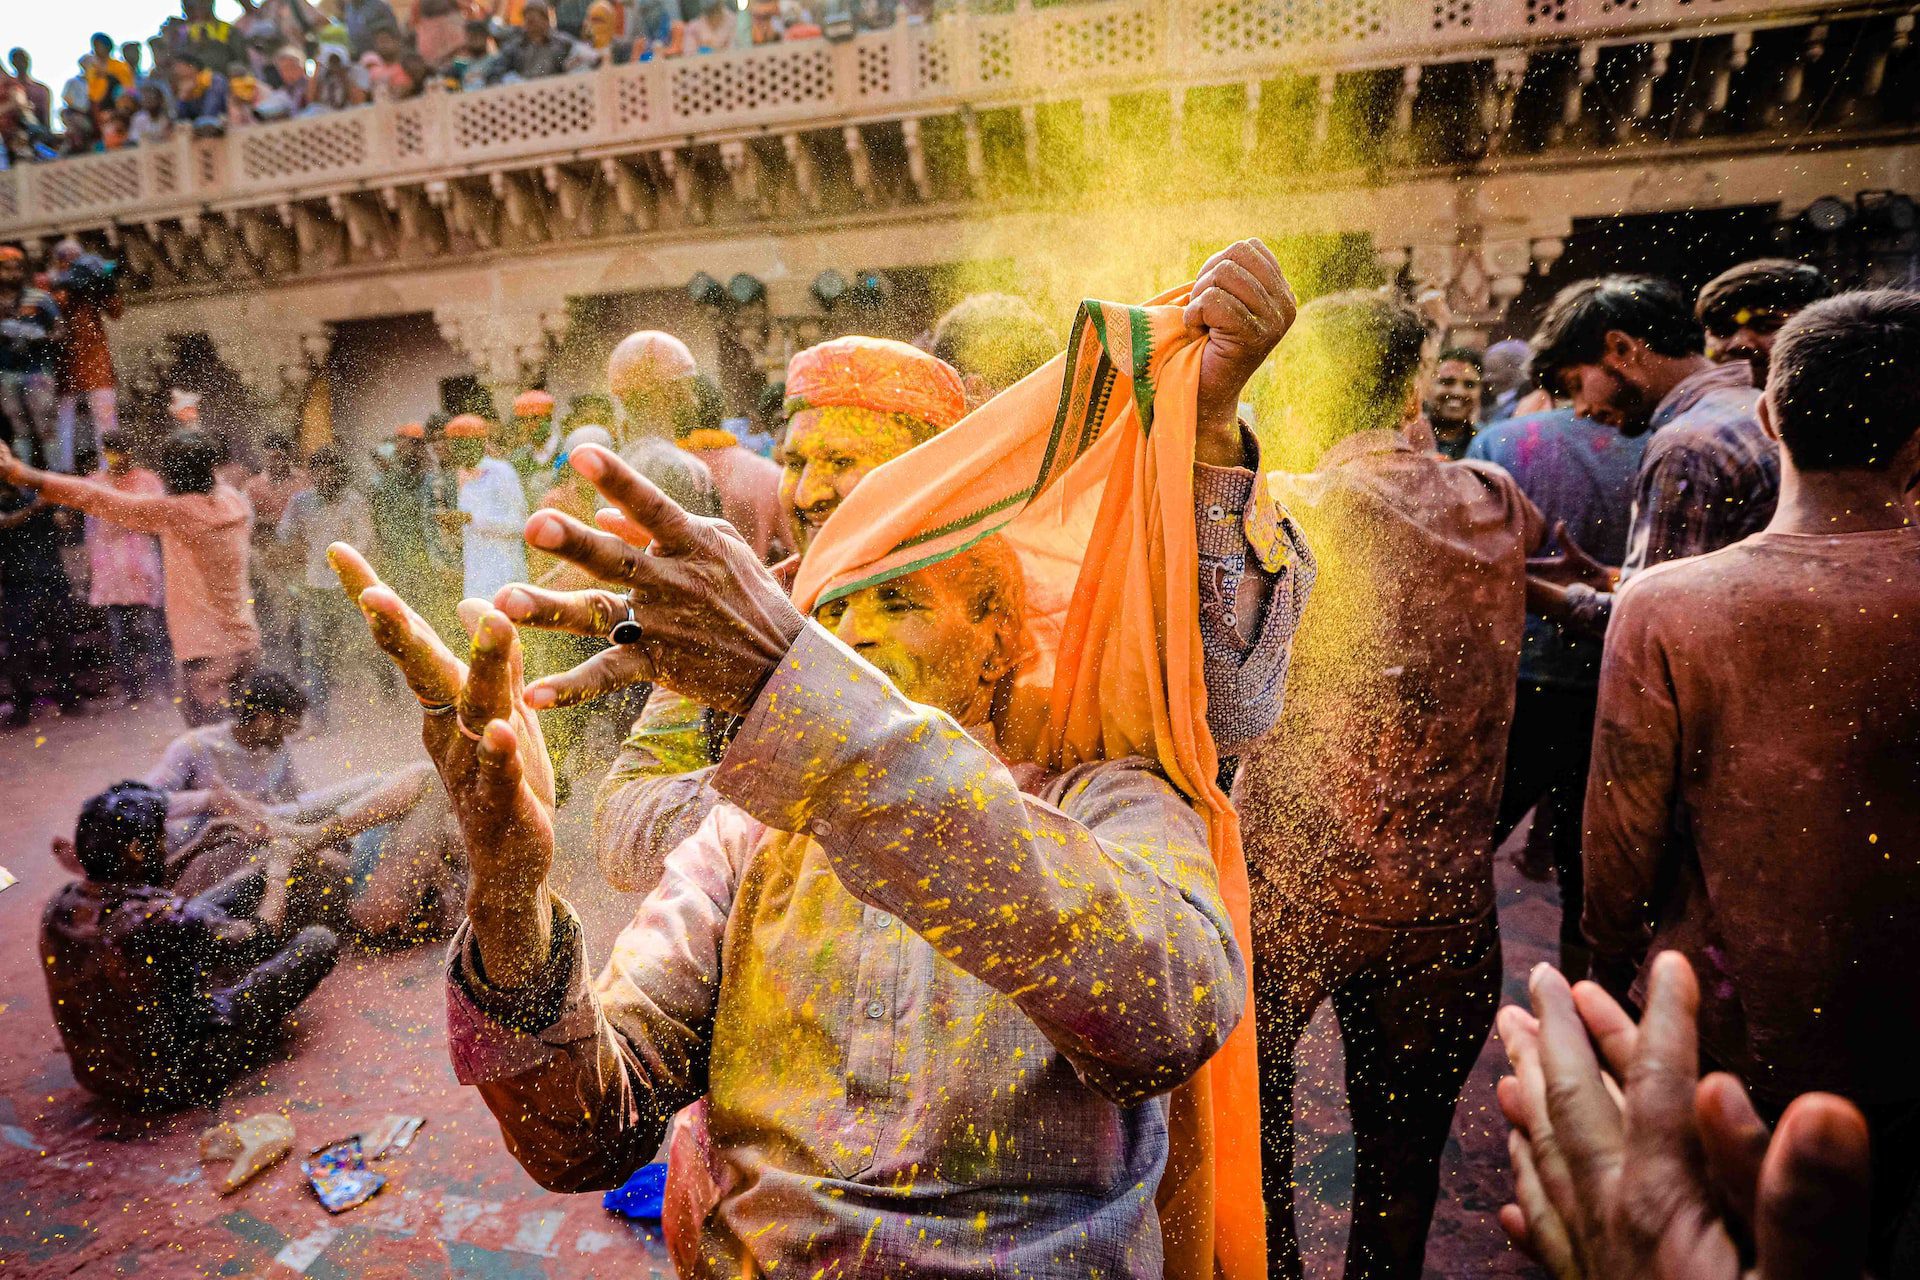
{"type": "Point", "coordinates": [910, 70]}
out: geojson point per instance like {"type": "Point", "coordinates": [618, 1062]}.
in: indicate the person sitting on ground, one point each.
{"type": "Point", "coordinates": [162, 999]}
{"type": "Point", "coordinates": [748, 484]}
{"type": "Point", "coordinates": [386, 833]}
{"type": "Point", "coordinates": [993, 340]}
{"type": "Point", "coordinates": [203, 526]}
{"type": "Point", "coordinates": [1743, 308]}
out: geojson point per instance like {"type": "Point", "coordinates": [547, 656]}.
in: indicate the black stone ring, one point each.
{"type": "Point", "coordinates": [627, 630]}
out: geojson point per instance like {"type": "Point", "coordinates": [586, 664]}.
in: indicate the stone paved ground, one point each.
{"type": "Point", "coordinates": [87, 1191]}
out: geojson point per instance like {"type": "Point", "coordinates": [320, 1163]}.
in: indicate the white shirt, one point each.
{"type": "Point", "coordinates": [313, 524]}
{"type": "Point", "coordinates": [494, 550]}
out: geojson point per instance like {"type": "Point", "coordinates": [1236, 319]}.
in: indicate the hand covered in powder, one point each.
{"type": "Point", "coordinates": [491, 757]}
{"type": "Point", "coordinates": [713, 621]}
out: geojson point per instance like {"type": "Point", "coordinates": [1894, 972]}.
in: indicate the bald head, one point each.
{"type": "Point", "coordinates": [651, 374]}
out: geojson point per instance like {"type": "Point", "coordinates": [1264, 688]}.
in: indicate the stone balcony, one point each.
{"type": "Point", "coordinates": [1444, 129]}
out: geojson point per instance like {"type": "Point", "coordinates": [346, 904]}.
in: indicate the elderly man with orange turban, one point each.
{"type": "Point", "coordinates": [855, 404]}
{"type": "Point", "coordinates": [969, 905]}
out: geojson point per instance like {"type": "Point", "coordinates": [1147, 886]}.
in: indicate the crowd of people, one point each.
{"type": "Point", "coordinates": [280, 59]}
{"type": "Point", "coordinates": [996, 829]}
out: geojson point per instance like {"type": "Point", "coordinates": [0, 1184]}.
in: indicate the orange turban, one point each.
{"type": "Point", "coordinates": [877, 374]}
{"type": "Point", "coordinates": [533, 404]}
{"type": "Point", "coordinates": [467, 426]}
{"type": "Point", "coordinates": [411, 431]}
{"type": "Point", "coordinates": [647, 360]}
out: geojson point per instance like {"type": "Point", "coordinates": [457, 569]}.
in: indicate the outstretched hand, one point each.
{"type": "Point", "coordinates": [1668, 1177]}
{"type": "Point", "coordinates": [491, 757]}
{"type": "Point", "coordinates": [714, 622]}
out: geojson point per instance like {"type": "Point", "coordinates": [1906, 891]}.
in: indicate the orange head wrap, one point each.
{"type": "Point", "coordinates": [533, 404]}
{"type": "Point", "coordinates": [878, 374]}
{"type": "Point", "coordinates": [10, 254]}
{"type": "Point", "coordinates": [467, 426]}
{"type": "Point", "coordinates": [646, 361]}
{"type": "Point", "coordinates": [411, 431]}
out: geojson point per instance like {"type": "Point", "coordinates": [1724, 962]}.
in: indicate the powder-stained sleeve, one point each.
{"type": "Point", "coordinates": [585, 1077]}
{"type": "Point", "coordinates": [1630, 792]}
{"type": "Point", "coordinates": [1101, 918]}
{"type": "Point", "coordinates": [656, 794]}
{"type": "Point", "coordinates": [1255, 574]}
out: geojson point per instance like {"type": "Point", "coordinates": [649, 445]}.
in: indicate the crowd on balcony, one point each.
{"type": "Point", "coordinates": [285, 58]}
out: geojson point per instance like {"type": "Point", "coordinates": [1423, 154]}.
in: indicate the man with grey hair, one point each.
{"type": "Point", "coordinates": [1507, 372]}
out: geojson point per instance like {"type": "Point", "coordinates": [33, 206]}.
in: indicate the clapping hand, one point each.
{"type": "Point", "coordinates": [1667, 1176]}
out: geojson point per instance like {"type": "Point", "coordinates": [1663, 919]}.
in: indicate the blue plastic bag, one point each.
{"type": "Point", "coordinates": [641, 1195]}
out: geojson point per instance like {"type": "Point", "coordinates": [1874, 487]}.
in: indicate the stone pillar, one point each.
{"type": "Point", "coordinates": [278, 364]}
{"type": "Point", "coordinates": [508, 348]}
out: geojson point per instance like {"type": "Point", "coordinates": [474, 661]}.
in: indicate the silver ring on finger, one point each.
{"type": "Point", "coordinates": [626, 631]}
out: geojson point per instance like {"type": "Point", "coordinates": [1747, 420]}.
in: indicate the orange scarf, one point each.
{"type": "Point", "coordinates": [1086, 469]}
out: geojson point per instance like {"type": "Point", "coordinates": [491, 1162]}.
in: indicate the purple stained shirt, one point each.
{"type": "Point", "coordinates": [1581, 472]}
